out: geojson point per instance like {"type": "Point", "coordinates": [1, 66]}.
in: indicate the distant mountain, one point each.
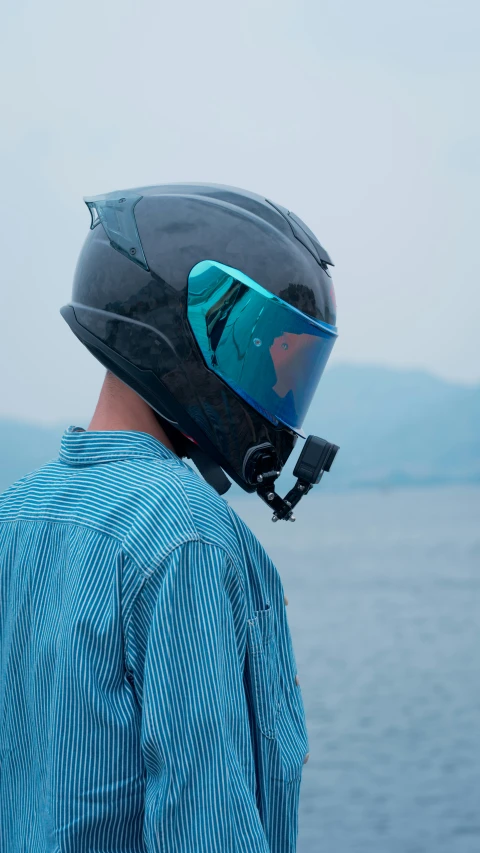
{"type": "Point", "coordinates": [397, 427]}
{"type": "Point", "coordinates": [394, 428]}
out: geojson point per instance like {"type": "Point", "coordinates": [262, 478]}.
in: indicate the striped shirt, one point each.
{"type": "Point", "coordinates": [148, 690]}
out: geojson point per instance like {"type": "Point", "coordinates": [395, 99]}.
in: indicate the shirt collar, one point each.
{"type": "Point", "coordinates": [81, 447]}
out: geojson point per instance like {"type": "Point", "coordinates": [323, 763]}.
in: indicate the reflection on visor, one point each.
{"type": "Point", "coordinates": [270, 353]}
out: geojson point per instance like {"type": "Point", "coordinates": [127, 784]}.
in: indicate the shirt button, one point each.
{"type": "Point", "coordinates": [285, 599]}
{"type": "Point", "coordinates": [297, 680]}
{"type": "Point", "coordinates": [306, 758]}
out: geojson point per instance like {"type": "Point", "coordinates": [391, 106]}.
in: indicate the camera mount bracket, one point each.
{"type": "Point", "coordinates": [316, 458]}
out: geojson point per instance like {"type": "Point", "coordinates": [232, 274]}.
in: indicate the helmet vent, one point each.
{"type": "Point", "coordinates": [116, 213]}
{"type": "Point", "coordinates": [304, 235]}
{"type": "Point", "coordinates": [94, 214]}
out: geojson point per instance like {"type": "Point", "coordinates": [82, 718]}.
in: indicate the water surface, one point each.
{"type": "Point", "coordinates": [384, 610]}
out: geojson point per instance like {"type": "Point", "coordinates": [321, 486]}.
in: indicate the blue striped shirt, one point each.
{"type": "Point", "coordinates": [148, 690]}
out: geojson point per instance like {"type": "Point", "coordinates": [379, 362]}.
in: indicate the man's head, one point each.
{"type": "Point", "coordinates": [216, 307]}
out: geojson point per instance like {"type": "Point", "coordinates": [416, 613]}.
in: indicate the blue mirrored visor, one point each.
{"type": "Point", "coordinates": [269, 352]}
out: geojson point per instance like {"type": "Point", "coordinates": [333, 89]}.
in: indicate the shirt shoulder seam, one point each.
{"type": "Point", "coordinates": [146, 577]}
{"type": "Point", "coordinates": [188, 537]}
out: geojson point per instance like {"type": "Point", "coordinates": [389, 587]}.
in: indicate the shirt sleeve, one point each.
{"type": "Point", "coordinates": [195, 734]}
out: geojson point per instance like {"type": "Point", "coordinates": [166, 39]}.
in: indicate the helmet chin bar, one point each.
{"type": "Point", "coordinates": [262, 468]}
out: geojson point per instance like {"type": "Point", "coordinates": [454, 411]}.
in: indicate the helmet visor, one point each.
{"type": "Point", "coordinates": [269, 352]}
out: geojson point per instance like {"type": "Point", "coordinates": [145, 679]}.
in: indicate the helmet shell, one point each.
{"type": "Point", "coordinates": [133, 316]}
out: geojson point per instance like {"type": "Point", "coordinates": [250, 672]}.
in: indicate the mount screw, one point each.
{"type": "Point", "coordinates": [274, 517]}
{"type": "Point", "coordinates": [260, 478]}
{"type": "Point", "coordinates": [270, 496]}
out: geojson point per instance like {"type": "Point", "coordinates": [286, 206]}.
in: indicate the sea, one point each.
{"type": "Point", "coordinates": [384, 612]}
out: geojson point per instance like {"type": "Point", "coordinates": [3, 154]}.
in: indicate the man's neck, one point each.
{"type": "Point", "coordinates": [120, 408]}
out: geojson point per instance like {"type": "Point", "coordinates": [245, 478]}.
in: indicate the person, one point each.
{"type": "Point", "coordinates": [149, 694]}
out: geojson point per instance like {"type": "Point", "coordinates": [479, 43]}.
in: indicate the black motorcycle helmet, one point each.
{"type": "Point", "coordinates": [216, 306]}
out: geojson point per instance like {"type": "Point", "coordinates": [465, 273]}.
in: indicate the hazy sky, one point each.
{"type": "Point", "coordinates": [363, 118]}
